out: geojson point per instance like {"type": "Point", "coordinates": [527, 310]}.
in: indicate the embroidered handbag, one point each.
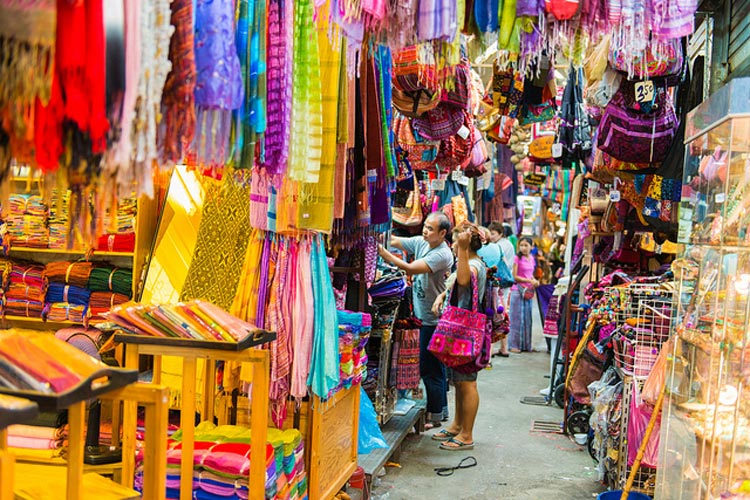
{"type": "Point", "coordinates": [412, 70]}
{"type": "Point", "coordinates": [659, 58]}
{"type": "Point", "coordinates": [420, 153]}
{"type": "Point", "coordinates": [483, 360]}
{"type": "Point", "coordinates": [459, 334]}
{"type": "Point", "coordinates": [527, 292]}
{"type": "Point", "coordinates": [629, 134]}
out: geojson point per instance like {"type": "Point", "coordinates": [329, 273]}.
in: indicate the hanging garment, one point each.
{"type": "Point", "coordinates": [218, 86]}
{"type": "Point", "coordinates": [245, 304]}
{"type": "Point", "coordinates": [304, 317]}
{"type": "Point", "coordinates": [222, 241]}
{"type": "Point", "coordinates": [178, 102]}
{"type": "Point", "coordinates": [316, 200]}
{"type": "Point", "coordinates": [307, 108]}
{"type": "Point", "coordinates": [279, 91]}
{"type": "Point", "coordinates": [324, 362]}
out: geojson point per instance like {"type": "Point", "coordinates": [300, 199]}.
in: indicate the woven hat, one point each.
{"type": "Point", "coordinates": [439, 123]}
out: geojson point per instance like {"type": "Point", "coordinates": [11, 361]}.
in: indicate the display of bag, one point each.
{"type": "Point", "coordinates": [411, 73]}
{"type": "Point", "coordinates": [459, 334]}
{"type": "Point", "coordinates": [658, 58]}
{"type": "Point", "coordinates": [416, 103]}
{"type": "Point", "coordinates": [483, 360]}
{"type": "Point", "coordinates": [411, 213]}
{"type": "Point", "coordinates": [507, 91]}
{"type": "Point", "coordinates": [629, 134]}
{"type": "Point", "coordinates": [420, 153]}
{"type": "Point", "coordinates": [458, 95]}
{"type": "Point", "coordinates": [527, 292]}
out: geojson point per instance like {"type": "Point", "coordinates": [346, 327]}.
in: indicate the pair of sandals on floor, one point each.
{"type": "Point", "coordinates": [449, 442]}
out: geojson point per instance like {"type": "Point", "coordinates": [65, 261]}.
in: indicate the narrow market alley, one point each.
{"type": "Point", "coordinates": [513, 462]}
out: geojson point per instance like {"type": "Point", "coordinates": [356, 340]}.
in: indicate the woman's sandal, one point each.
{"type": "Point", "coordinates": [455, 444]}
{"type": "Point", "coordinates": [428, 426]}
{"type": "Point", "coordinates": [443, 435]}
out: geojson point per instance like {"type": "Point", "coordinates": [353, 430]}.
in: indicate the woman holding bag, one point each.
{"type": "Point", "coordinates": [470, 269]}
{"type": "Point", "coordinates": [521, 295]}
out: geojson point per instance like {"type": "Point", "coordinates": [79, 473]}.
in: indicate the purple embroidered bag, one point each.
{"type": "Point", "coordinates": [631, 135]}
{"type": "Point", "coordinates": [459, 334]}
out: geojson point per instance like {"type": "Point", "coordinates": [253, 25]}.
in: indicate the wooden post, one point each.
{"type": "Point", "coordinates": [258, 429]}
{"type": "Point", "coordinates": [76, 416]}
{"type": "Point", "coordinates": [209, 385]}
{"type": "Point", "coordinates": [187, 422]}
{"type": "Point", "coordinates": [129, 423]}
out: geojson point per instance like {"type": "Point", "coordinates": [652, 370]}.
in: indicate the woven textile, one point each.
{"type": "Point", "coordinates": [69, 273]}
{"type": "Point", "coordinates": [406, 359]}
{"type": "Point", "coordinates": [222, 240]}
{"type": "Point", "coordinates": [307, 108]}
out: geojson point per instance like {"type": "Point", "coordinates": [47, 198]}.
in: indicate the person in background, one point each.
{"type": "Point", "coordinates": [519, 338]}
{"type": "Point", "coordinates": [432, 261]}
{"type": "Point", "coordinates": [499, 236]}
{"type": "Point", "coordinates": [459, 434]}
{"type": "Point", "coordinates": [490, 252]}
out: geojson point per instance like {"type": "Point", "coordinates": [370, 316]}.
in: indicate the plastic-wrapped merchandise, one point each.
{"type": "Point", "coordinates": [605, 393]}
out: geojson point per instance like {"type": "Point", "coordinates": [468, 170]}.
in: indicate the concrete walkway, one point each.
{"type": "Point", "coordinates": [513, 462]}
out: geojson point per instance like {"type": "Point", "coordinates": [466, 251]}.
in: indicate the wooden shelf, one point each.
{"type": "Point", "coordinates": [39, 321]}
{"type": "Point", "coordinates": [42, 482]}
{"type": "Point", "coordinates": [56, 251]}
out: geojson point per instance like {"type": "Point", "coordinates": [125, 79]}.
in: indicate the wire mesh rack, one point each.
{"type": "Point", "coordinates": [645, 320]}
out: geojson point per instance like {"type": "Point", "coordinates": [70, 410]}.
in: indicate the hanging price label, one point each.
{"type": "Point", "coordinates": [463, 180]}
{"type": "Point", "coordinates": [557, 150]}
{"type": "Point", "coordinates": [456, 175]}
{"type": "Point", "coordinates": [614, 196]}
{"type": "Point", "coordinates": [644, 91]}
{"type": "Point", "coordinates": [438, 184]}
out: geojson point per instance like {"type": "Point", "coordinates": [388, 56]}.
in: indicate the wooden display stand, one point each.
{"type": "Point", "coordinates": [17, 411]}
{"type": "Point", "coordinates": [331, 443]}
{"type": "Point", "coordinates": [41, 480]}
{"type": "Point", "coordinates": [190, 354]}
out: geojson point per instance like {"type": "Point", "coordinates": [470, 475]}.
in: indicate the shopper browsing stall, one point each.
{"type": "Point", "coordinates": [521, 295]}
{"type": "Point", "coordinates": [432, 260]}
{"type": "Point", "coordinates": [471, 268]}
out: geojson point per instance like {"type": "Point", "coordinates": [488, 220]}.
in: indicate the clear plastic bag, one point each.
{"type": "Point", "coordinates": [657, 378]}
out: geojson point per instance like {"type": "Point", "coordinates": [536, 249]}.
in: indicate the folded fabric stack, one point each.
{"type": "Point", "coordinates": [120, 227]}
{"type": "Point", "coordinates": [67, 297]}
{"type": "Point", "coordinates": [26, 291]}
{"type": "Point", "coordinates": [111, 279]}
{"type": "Point", "coordinates": [37, 438]}
{"type": "Point", "coordinates": [354, 332]}
{"type": "Point", "coordinates": [27, 221]}
{"type": "Point", "coordinates": [116, 242]}
{"type": "Point", "coordinates": [197, 320]}
{"type": "Point", "coordinates": [221, 459]}
{"type": "Point", "coordinates": [58, 220]}
{"type": "Point", "coordinates": [101, 302]}
{"type": "Point", "coordinates": [39, 362]}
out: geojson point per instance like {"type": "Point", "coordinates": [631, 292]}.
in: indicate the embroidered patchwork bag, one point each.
{"type": "Point", "coordinates": [459, 334]}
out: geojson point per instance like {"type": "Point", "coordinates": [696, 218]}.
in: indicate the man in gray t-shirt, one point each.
{"type": "Point", "coordinates": [432, 261]}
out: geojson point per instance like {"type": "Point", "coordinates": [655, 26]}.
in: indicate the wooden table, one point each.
{"type": "Point", "coordinates": [155, 398]}
{"type": "Point", "coordinates": [190, 354]}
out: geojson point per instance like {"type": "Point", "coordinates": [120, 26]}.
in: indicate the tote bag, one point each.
{"type": "Point", "coordinates": [459, 334]}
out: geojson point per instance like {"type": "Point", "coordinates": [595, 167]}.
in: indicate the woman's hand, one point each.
{"type": "Point", "coordinates": [382, 251]}
{"type": "Point", "coordinates": [437, 306]}
{"type": "Point", "coordinates": [463, 239]}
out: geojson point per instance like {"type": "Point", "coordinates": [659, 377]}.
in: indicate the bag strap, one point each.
{"type": "Point", "coordinates": [474, 292]}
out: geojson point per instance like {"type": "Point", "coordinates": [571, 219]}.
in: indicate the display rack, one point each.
{"type": "Point", "coordinates": [386, 395]}
{"type": "Point", "coordinates": [136, 345]}
{"type": "Point", "coordinates": [705, 449]}
{"type": "Point", "coordinates": [12, 411]}
{"type": "Point", "coordinates": [145, 225]}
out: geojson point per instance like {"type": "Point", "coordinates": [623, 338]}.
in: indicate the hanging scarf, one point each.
{"type": "Point", "coordinates": [251, 49]}
{"type": "Point", "coordinates": [324, 363]}
{"type": "Point", "coordinates": [154, 66]}
{"type": "Point", "coordinates": [218, 86]}
{"type": "Point", "coordinates": [401, 22]}
{"type": "Point", "coordinates": [80, 61]}
{"type": "Point", "coordinates": [280, 348]}
{"type": "Point", "coordinates": [304, 319]}
{"type": "Point", "coordinates": [436, 20]}
{"type": "Point", "coordinates": [316, 200]}
{"type": "Point", "coordinates": [307, 107]}
{"type": "Point", "coordinates": [280, 31]}
{"type": "Point", "coordinates": [178, 105]}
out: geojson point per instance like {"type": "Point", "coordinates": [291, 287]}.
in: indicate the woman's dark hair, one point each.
{"type": "Point", "coordinates": [527, 240]}
{"type": "Point", "coordinates": [507, 230]}
{"type": "Point", "coordinates": [476, 239]}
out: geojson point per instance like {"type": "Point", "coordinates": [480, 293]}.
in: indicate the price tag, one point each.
{"type": "Point", "coordinates": [463, 132]}
{"type": "Point", "coordinates": [720, 197]}
{"type": "Point", "coordinates": [464, 181]}
{"type": "Point", "coordinates": [438, 184]}
{"type": "Point", "coordinates": [480, 184]}
{"type": "Point", "coordinates": [372, 175]}
{"type": "Point", "coordinates": [614, 196]}
{"type": "Point", "coordinates": [456, 175]}
{"type": "Point", "coordinates": [557, 150]}
{"type": "Point", "coordinates": [644, 91]}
